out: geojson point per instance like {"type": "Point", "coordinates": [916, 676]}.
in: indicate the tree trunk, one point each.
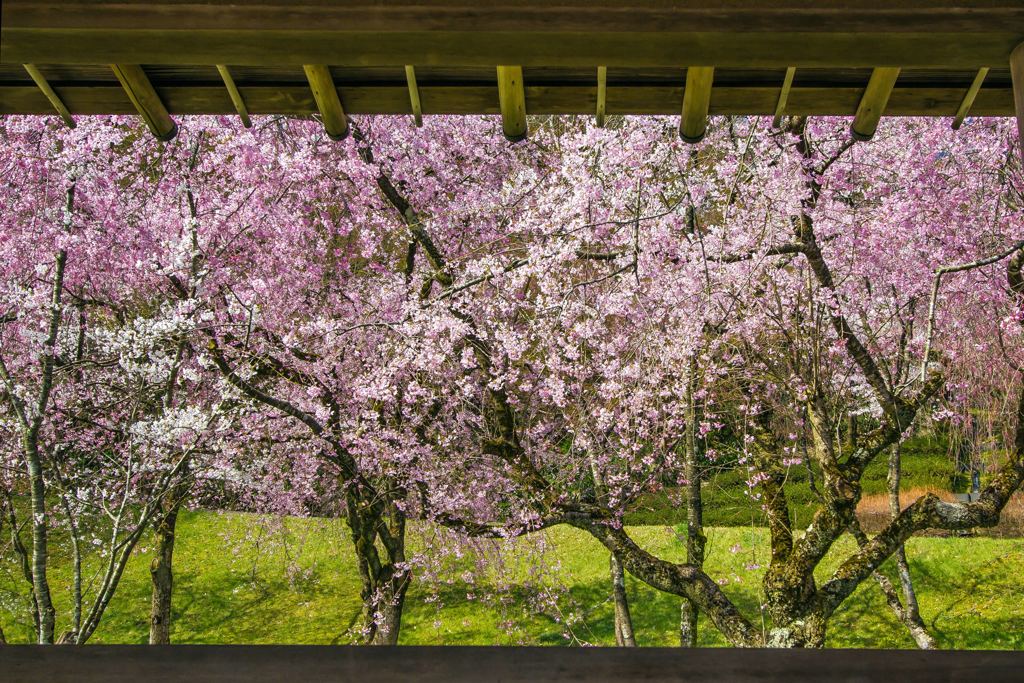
{"type": "Point", "coordinates": [912, 612]}
{"type": "Point", "coordinates": [378, 525]}
{"type": "Point", "coordinates": [389, 608]}
{"type": "Point", "coordinates": [624, 636]}
{"type": "Point", "coordinates": [161, 571]}
{"type": "Point", "coordinates": [40, 549]}
{"type": "Point", "coordinates": [695, 538]}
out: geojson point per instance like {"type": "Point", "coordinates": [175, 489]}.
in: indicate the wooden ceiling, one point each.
{"type": "Point", "coordinates": [335, 58]}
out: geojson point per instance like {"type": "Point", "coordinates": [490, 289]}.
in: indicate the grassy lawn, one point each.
{"type": "Point", "coordinates": [924, 465]}
{"type": "Point", "coordinates": [246, 579]}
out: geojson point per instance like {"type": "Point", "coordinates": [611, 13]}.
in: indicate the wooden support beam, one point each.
{"type": "Point", "coordinates": [146, 101]}
{"type": "Point", "coordinates": [696, 100]}
{"type": "Point", "coordinates": [662, 100]}
{"type": "Point", "coordinates": [236, 97]}
{"type": "Point", "coordinates": [512, 101]}
{"type": "Point", "coordinates": [1017, 74]}
{"type": "Point", "coordinates": [414, 95]}
{"type": "Point", "coordinates": [44, 86]}
{"type": "Point", "coordinates": [327, 101]}
{"type": "Point", "coordinates": [780, 107]}
{"type": "Point", "coordinates": [873, 102]}
{"type": "Point", "coordinates": [602, 94]}
{"type": "Point", "coordinates": [969, 97]}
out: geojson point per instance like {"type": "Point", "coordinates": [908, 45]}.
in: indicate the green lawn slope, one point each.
{"type": "Point", "coordinates": [243, 578]}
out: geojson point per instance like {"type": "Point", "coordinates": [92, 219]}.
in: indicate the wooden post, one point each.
{"type": "Point", "coordinates": [236, 97]}
{"type": "Point", "coordinates": [972, 92]}
{"type": "Point", "coordinates": [873, 101]}
{"type": "Point", "coordinates": [57, 103]}
{"type": "Point", "coordinates": [1017, 74]}
{"type": "Point", "coordinates": [414, 95]}
{"type": "Point", "coordinates": [327, 100]}
{"type": "Point", "coordinates": [696, 99]}
{"type": "Point", "coordinates": [602, 94]}
{"type": "Point", "coordinates": [512, 100]}
{"type": "Point", "coordinates": [787, 85]}
{"type": "Point", "coordinates": [149, 105]}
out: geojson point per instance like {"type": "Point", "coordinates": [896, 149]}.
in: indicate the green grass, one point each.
{"type": "Point", "coordinates": [924, 463]}
{"type": "Point", "coordinates": [245, 579]}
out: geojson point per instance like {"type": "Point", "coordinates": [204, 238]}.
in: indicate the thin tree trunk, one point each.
{"type": "Point", "coordinates": [695, 538]}
{"type": "Point", "coordinates": [915, 624]}
{"type": "Point", "coordinates": [162, 575]}
{"type": "Point", "coordinates": [76, 581]}
{"type": "Point", "coordinates": [624, 636]}
{"type": "Point", "coordinates": [40, 548]}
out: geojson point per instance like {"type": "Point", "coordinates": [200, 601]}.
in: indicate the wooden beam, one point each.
{"type": "Point", "coordinates": [696, 100]}
{"type": "Point", "coordinates": [780, 107]}
{"type": "Point", "coordinates": [273, 98]}
{"type": "Point", "coordinates": [447, 664]}
{"type": "Point", "coordinates": [956, 34]}
{"type": "Point", "coordinates": [602, 94]}
{"type": "Point", "coordinates": [236, 97]}
{"type": "Point", "coordinates": [145, 100]}
{"type": "Point", "coordinates": [873, 102]}
{"type": "Point", "coordinates": [327, 101]}
{"type": "Point", "coordinates": [1017, 75]}
{"type": "Point", "coordinates": [44, 87]}
{"type": "Point", "coordinates": [512, 102]}
{"type": "Point", "coordinates": [972, 92]}
{"type": "Point", "coordinates": [414, 95]}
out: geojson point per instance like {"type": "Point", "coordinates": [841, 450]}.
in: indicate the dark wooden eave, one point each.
{"type": "Point", "coordinates": [455, 46]}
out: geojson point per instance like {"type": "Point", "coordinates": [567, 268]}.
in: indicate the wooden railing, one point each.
{"type": "Point", "coordinates": [256, 664]}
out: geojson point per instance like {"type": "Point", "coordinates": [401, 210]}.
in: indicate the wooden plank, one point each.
{"type": "Point", "coordinates": [145, 100]}
{"type": "Point", "coordinates": [529, 49]}
{"type": "Point", "coordinates": [424, 664]}
{"type": "Point", "coordinates": [864, 16]}
{"type": "Point", "coordinates": [51, 96]}
{"type": "Point", "coordinates": [298, 100]}
{"type": "Point", "coordinates": [696, 101]}
{"type": "Point", "coordinates": [602, 95]}
{"type": "Point", "coordinates": [873, 101]}
{"type": "Point", "coordinates": [780, 106]}
{"type": "Point", "coordinates": [414, 95]}
{"type": "Point", "coordinates": [1017, 74]}
{"type": "Point", "coordinates": [512, 102]}
{"type": "Point", "coordinates": [236, 97]}
{"type": "Point", "coordinates": [321, 84]}
{"type": "Point", "coordinates": [972, 92]}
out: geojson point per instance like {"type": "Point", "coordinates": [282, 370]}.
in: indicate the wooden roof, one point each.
{"type": "Point", "coordinates": [597, 57]}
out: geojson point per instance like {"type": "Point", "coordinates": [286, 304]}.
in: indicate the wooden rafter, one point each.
{"type": "Point", "coordinates": [780, 107]}
{"type": "Point", "coordinates": [146, 100]}
{"type": "Point", "coordinates": [236, 97]}
{"type": "Point", "coordinates": [969, 96]}
{"type": "Point", "coordinates": [414, 95]}
{"type": "Point", "coordinates": [512, 101]}
{"type": "Point", "coordinates": [321, 84]}
{"type": "Point", "coordinates": [696, 102]}
{"type": "Point", "coordinates": [602, 95]}
{"type": "Point", "coordinates": [1017, 74]}
{"type": "Point", "coordinates": [51, 96]}
{"type": "Point", "coordinates": [873, 102]}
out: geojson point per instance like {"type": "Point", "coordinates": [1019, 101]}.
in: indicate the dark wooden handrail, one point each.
{"type": "Point", "coordinates": [279, 663]}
